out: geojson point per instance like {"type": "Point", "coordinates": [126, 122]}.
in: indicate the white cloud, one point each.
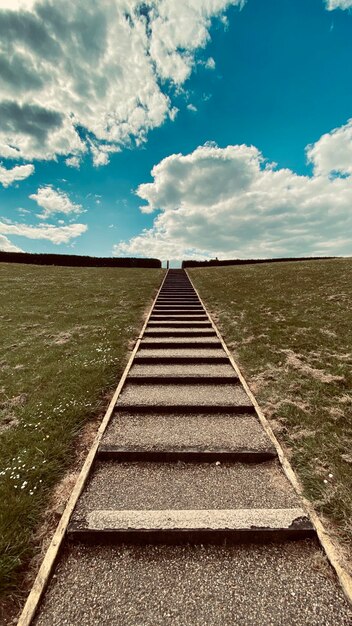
{"type": "Point", "coordinates": [205, 177]}
{"type": "Point", "coordinates": [210, 64]}
{"type": "Point", "coordinates": [19, 172]}
{"type": "Point", "coordinates": [338, 4]}
{"type": "Point", "coordinates": [17, 4]}
{"type": "Point", "coordinates": [74, 161]}
{"type": "Point", "coordinates": [55, 234]}
{"type": "Point", "coordinates": [99, 67]}
{"type": "Point", "coordinates": [231, 203]}
{"type": "Point", "coordinates": [100, 153]}
{"type": "Point", "coordinates": [333, 151]}
{"type": "Point", "coordinates": [54, 201]}
{"type": "Point", "coordinates": [7, 246]}
{"type": "Point", "coordinates": [191, 107]}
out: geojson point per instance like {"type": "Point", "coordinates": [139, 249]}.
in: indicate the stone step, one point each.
{"type": "Point", "coordinates": [191, 299]}
{"type": "Point", "coordinates": [223, 371]}
{"type": "Point", "coordinates": [179, 305]}
{"type": "Point", "coordinates": [180, 342]}
{"type": "Point", "coordinates": [111, 452]}
{"type": "Point", "coordinates": [177, 289]}
{"type": "Point", "coordinates": [180, 338]}
{"type": "Point", "coordinates": [241, 435]}
{"type": "Point", "coordinates": [186, 315]}
{"type": "Point", "coordinates": [181, 356]}
{"type": "Point", "coordinates": [189, 353]}
{"type": "Point", "coordinates": [178, 302]}
{"type": "Point", "coordinates": [181, 380]}
{"type": "Point", "coordinates": [194, 585]}
{"type": "Point", "coordinates": [175, 317]}
{"type": "Point", "coordinates": [230, 395]}
{"type": "Point", "coordinates": [177, 309]}
{"type": "Point", "coordinates": [169, 331]}
{"type": "Point", "coordinates": [177, 297]}
{"type": "Point", "coordinates": [184, 486]}
{"type": "Point", "coordinates": [206, 324]}
{"type": "Point", "coordinates": [193, 526]}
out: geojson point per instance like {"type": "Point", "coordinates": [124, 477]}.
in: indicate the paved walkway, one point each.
{"type": "Point", "coordinates": [187, 517]}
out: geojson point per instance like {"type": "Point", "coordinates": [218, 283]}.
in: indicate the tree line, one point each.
{"type": "Point", "coordinates": [76, 260]}
{"type": "Point", "coordinates": [215, 262]}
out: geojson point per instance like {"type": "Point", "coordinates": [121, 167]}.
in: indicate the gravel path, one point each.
{"type": "Point", "coordinates": [271, 585]}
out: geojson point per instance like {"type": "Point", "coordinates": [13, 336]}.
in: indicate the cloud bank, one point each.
{"type": "Point", "coordinates": [50, 232]}
{"type": "Point", "coordinates": [230, 202]}
{"type": "Point", "coordinates": [93, 76]}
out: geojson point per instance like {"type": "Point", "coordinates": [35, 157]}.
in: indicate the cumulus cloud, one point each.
{"type": "Point", "coordinates": [338, 4]}
{"type": "Point", "coordinates": [210, 64]}
{"type": "Point", "coordinates": [230, 202]}
{"type": "Point", "coordinates": [50, 232]}
{"type": "Point", "coordinates": [19, 172]}
{"type": "Point", "coordinates": [7, 246]}
{"type": "Point", "coordinates": [206, 177]}
{"type": "Point", "coordinates": [16, 4]}
{"type": "Point", "coordinates": [54, 201]}
{"type": "Point", "coordinates": [100, 153]}
{"type": "Point", "coordinates": [74, 161]}
{"type": "Point", "coordinates": [332, 153]}
{"type": "Point", "coordinates": [87, 75]}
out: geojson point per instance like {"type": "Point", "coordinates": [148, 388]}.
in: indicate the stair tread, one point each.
{"type": "Point", "coordinates": [180, 485]}
{"type": "Point", "coordinates": [151, 431]}
{"type": "Point", "coordinates": [183, 394]}
{"type": "Point", "coordinates": [195, 519]}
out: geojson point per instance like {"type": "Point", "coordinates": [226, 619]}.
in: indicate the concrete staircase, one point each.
{"type": "Point", "coordinates": [180, 477]}
{"type": "Point", "coordinates": [185, 461]}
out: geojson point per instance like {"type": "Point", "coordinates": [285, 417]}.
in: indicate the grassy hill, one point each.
{"type": "Point", "coordinates": [64, 336]}
{"type": "Point", "coordinates": [289, 328]}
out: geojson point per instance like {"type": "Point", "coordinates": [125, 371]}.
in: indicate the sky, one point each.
{"type": "Point", "coordinates": [178, 130]}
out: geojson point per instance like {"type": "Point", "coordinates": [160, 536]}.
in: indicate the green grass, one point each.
{"type": "Point", "coordinates": [289, 328]}
{"type": "Point", "coordinates": [64, 337]}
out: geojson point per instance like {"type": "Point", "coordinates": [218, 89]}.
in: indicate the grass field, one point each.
{"type": "Point", "coordinates": [289, 326]}
{"type": "Point", "coordinates": [64, 337]}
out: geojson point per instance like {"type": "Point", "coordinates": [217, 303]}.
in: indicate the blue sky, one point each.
{"type": "Point", "coordinates": [242, 109]}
